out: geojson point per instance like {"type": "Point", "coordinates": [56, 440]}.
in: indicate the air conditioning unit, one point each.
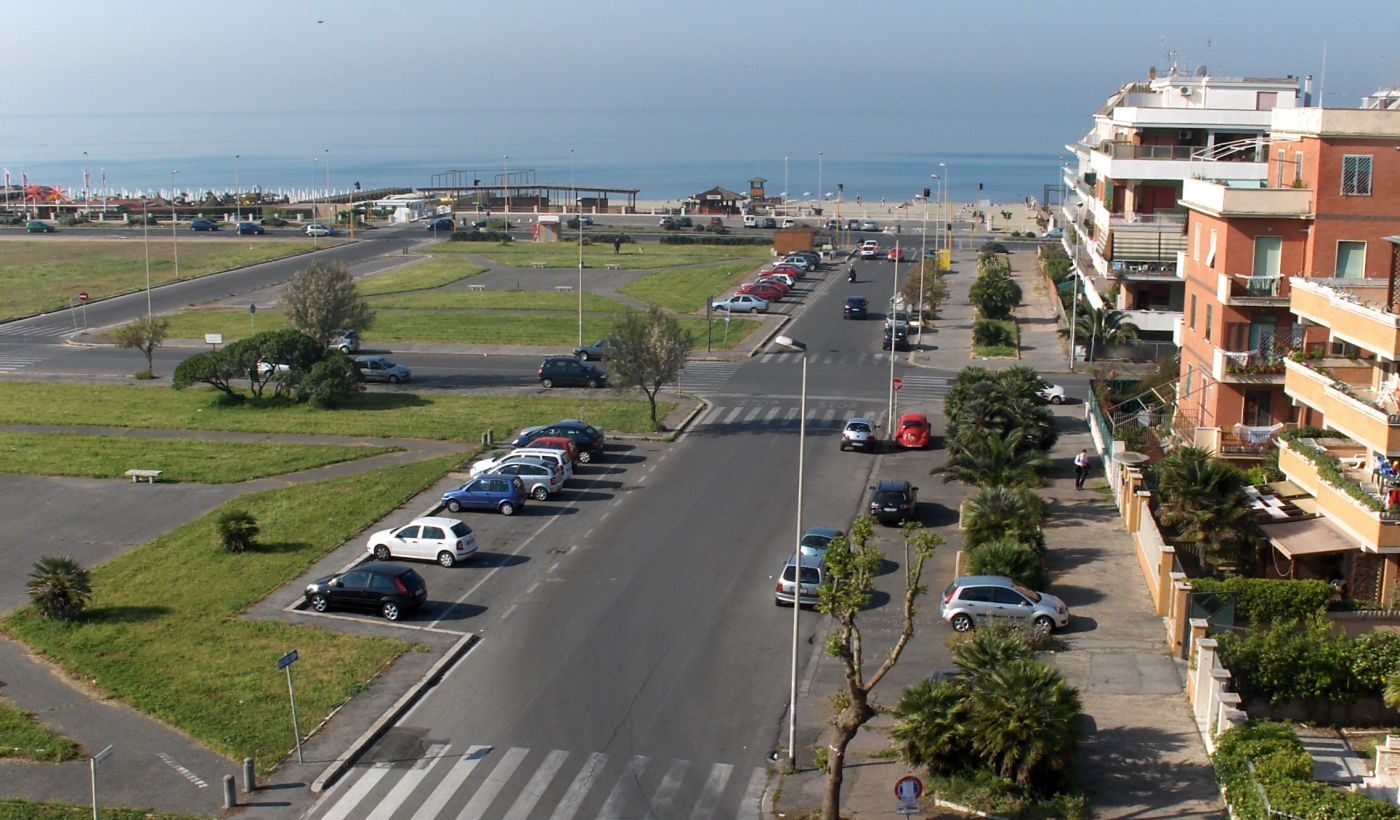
{"type": "Point", "coordinates": [1184, 135]}
{"type": "Point", "coordinates": [1186, 91]}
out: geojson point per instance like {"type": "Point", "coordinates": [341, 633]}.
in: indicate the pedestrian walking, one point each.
{"type": "Point", "coordinates": [617, 245]}
{"type": "Point", "coordinates": [1081, 469]}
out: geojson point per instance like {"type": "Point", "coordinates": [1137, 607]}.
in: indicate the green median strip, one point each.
{"type": "Point", "coordinates": [429, 273]}
{"type": "Point", "coordinates": [164, 633]}
{"type": "Point", "coordinates": [367, 415]}
{"type": "Point", "coordinates": [28, 810]}
{"type": "Point", "coordinates": [24, 738]}
{"type": "Point", "coordinates": [600, 254]}
{"type": "Point", "coordinates": [208, 462]}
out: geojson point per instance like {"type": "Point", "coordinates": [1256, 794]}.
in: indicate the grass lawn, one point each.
{"type": "Point", "coordinates": [433, 272]}
{"type": "Point", "coordinates": [600, 254]}
{"type": "Point", "coordinates": [500, 300]}
{"type": "Point", "coordinates": [163, 633]}
{"type": "Point", "coordinates": [24, 738]}
{"type": "Point", "coordinates": [40, 275]}
{"type": "Point", "coordinates": [391, 415]}
{"type": "Point", "coordinates": [685, 290]}
{"type": "Point", "coordinates": [209, 462]}
{"type": "Point", "coordinates": [26, 810]}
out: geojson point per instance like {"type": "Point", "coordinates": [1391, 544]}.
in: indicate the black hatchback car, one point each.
{"type": "Point", "coordinates": [857, 307]}
{"type": "Point", "coordinates": [894, 502]}
{"type": "Point", "coordinates": [896, 335]}
{"type": "Point", "coordinates": [204, 225]}
{"type": "Point", "coordinates": [381, 586]}
{"type": "Point", "coordinates": [589, 439]}
{"type": "Point", "coordinates": [566, 371]}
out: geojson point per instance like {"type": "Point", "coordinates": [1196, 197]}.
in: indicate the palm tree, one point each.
{"type": "Point", "coordinates": [1024, 721]}
{"type": "Point", "coordinates": [995, 294]}
{"type": "Point", "coordinates": [1104, 326]}
{"type": "Point", "coordinates": [987, 459]}
{"type": "Point", "coordinates": [59, 587]}
{"type": "Point", "coordinates": [237, 529]}
{"type": "Point", "coordinates": [996, 512]}
{"type": "Point", "coordinates": [978, 652]}
{"type": "Point", "coordinates": [1010, 558]}
{"type": "Point", "coordinates": [930, 727]}
{"type": "Point", "coordinates": [1204, 499]}
{"type": "Point", "coordinates": [1001, 402]}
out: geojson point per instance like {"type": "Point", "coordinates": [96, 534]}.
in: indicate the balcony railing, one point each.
{"type": "Point", "coordinates": [1252, 349]}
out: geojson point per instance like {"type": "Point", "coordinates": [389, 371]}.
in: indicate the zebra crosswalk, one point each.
{"type": "Point", "coordinates": [705, 377]}
{"type": "Point", "coordinates": [10, 362]}
{"type": "Point", "coordinates": [520, 783]}
{"type": "Point", "coordinates": [23, 329]}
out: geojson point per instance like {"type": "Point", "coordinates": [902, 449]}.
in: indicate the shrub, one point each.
{"type": "Point", "coordinates": [1291, 661]}
{"type": "Point", "coordinates": [1017, 561]}
{"type": "Point", "coordinates": [1009, 512]}
{"type": "Point", "coordinates": [1270, 599]}
{"type": "Point", "coordinates": [475, 235]}
{"type": "Point", "coordinates": [993, 333]}
{"type": "Point", "coordinates": [685, 239]}
{"type": "Point", "coordinates": [237, 529]}
{"type": "Point", "coordinates": [59, 587]}
{"type": "Point", "coordinates": [1375, 657]}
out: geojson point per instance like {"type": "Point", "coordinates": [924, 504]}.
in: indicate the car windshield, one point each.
{"type": "Point", "coordinates": [1030, 594]}
{"type": "Point", "coordinates": [912, 423]}
{"type": "Point", "coordinates": [819, 541]}
{"type": "Point", "coordinates": [461, 530]}
{"type": "Point", "coordinates": [889, 497]}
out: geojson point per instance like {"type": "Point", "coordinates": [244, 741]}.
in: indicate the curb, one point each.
{"type": "Point", "coordinates": [390, 716]}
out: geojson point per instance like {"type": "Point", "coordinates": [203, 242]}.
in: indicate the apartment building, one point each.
{"type": "Point", "coordinates": [1126, 180]}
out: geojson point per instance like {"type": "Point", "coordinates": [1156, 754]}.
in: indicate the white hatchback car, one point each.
{"type": "Point", "coordinates": [434, 538]}
{"type": "Point", "coordinates": [1053, 393]}
{"type": "Point", "coordinates": [317, 229]}
{"type": "Point", "coordinates": [859, 434]}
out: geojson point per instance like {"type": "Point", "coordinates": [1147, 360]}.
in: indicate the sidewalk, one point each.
{"type": "Point", "coordinates": [1141, 756]}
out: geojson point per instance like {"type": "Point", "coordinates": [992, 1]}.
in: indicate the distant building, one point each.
{"type": "Point", "coordinates": [716, 201]}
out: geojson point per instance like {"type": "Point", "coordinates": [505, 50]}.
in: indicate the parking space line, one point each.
{"type": "Point", "coordinates": [509, 610]}
{"type": "Point", "coordinates": [588, 533]}
{"type": "Point", "coordinates": [530, 590]}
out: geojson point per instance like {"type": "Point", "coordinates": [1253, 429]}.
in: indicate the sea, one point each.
{"type": "Point", "coordinates": [667, 156]}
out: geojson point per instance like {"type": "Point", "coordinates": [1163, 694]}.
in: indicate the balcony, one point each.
{"type": "Point", "coordinates": [1122, 161]}
{"type": "Point", "coordinates": [1255, 354]}
{"type": "Point", "coordinates": [1336, 474]}
{"type": "Point", "coordinates": [1342, 391]}
{"type": "Point", "coordinates": [1148, 238]}
{"type": "Point", "coordinates": [1243, 290]}
{"type": "Point", "coordinates": [1352, 309]}
{"type": "Point", "coordinates": [1218, 199]}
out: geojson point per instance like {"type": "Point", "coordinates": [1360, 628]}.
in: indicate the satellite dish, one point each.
{"type": "Point", "coordinates": [1201, 71]}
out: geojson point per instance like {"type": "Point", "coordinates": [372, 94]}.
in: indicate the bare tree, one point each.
{"type": "Point", "coordinates": [144, 335]}
{"type": "Point", "coordinates": [322, 299]}
{"type": "Point", "coordinates": [647, 351]}
{"type": "Point", "coordinates": [852, 566]}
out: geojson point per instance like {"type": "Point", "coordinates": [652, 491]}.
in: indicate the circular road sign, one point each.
{"type": "Point", "coordinates": [252, 308]}
{"type": "Point", "coordinates": [898, 383]}
{"type": "Point", "coordinates": [908, 786]}
{"type": "Point", "coordinates": [82, 296]}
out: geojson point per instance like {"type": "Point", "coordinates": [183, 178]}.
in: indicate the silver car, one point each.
{"type": "Point", "coordinates": [380, 369]}
{"type": "Point", "coordinates": [813, 573]}
{"type": "Point", "coordinates": [976, 600]}
{"type": "Point", "coordinates": [859, 434]}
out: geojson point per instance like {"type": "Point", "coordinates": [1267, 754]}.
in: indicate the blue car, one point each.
{"type": "Point", "coordinates": [503, 493]}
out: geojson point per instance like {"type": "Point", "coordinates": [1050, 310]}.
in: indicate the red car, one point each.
{"type": "Point", "coordinates": [790, 270]}
{"type": "Point", "coordinates": [567, 445]}
{"type": "Point", "coordinates": [896, 255]}
{"type": "Point", "coordinates": [775, 282]}
{"type": "Point", "coordinates": [913, 431]}
{"type": "Point", "coordinates": [761, 290]}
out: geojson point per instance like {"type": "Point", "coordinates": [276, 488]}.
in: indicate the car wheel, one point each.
{"type": "Point", "coordinates": [585, 457]}
{"type": "Point", "coordinates": [393, 379]}
{"type": "Point", "coordinates": [319, 603]}
{"type": "Point", "coordinates": [447, 559]}
{"type": "Point", "coordinates": [454, 506]}
{"type": "Point", "coordinates": [1044, 624]}
{"type": "Point", "coordinates": [781, 602]}
{"type": "Point", "coordinates": [845, 446]}
{"type": "Point", "coordinates": [546, 383]}
{"type": "Point", "coordinates": [507, 508]}
{"type": "Point", "coordinates": [961, 622]}
{"type": "Point", "coordinates": [1057, 400]}
{"type": "Point", "coordinates": [592, 384]}
{"type": "Point", "coordinates": [390, 611]}
{"type": "Point", "coordinates": [583, 354]}
{"type": "Point", "coordinates": [381, 553]}
{"type": "Point", "coordinates": [539, 493]}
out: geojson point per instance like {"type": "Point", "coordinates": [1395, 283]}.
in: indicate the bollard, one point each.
{"type": "Point", "coordinates": [490, 436]}
{"type": "Point", "coordinates": [230, 799]}
{"type": "Point", "coordinates": [250, 782]}
{"type": "Point", "coordinates": [485, 440]}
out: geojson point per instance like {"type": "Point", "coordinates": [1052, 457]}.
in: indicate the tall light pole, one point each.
{"type": "Point", "coordinates": [146, 240]}
{"type": "Point", "coordinates": [174, 234]}
{"type": "Point", "coordinates": [87, 197]}
{"type": "Point", "coordinates": [792, 344]}
{"type": "Point", "coordinates": [237, 193]}
{"type": "Point", "coordinates": [785, 185]}
{"type": "Point", "coordinates": [945, 220]}
{"type": "Point", "coordinates": [821, 196]}
{"type": "Point", "coordinates": [894, 293]}
{"type": "Point", "coordinates": [923, 261]}
{"type": "Point", "coordinates": [578, 221]}
{"type": "Point", "coordinates": [315, 165]}
{"type": "Point", "coordinates": [505, 187]}
{"type": "Point", "coordinates": [328, 186]}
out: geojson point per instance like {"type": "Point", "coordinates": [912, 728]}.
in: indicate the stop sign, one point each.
{"type": "Point", "coordinates": [898, 383]}
{"type": "Point", "coordinates": [82, 296]}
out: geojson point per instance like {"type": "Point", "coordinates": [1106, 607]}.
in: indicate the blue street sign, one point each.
{"type": "Point", "coordinates": [287, 659]}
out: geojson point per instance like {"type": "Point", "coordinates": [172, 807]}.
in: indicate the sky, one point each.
{"type": "Point", "coordinates": [717, 77]}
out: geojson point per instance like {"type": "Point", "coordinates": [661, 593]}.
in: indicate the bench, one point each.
{"type": "Point", "coordinates": [476, 287]}
{"type": "Point", "coordinates": [564, 288]}
{"type": "Point", "coordinates": [150, 475]}
{"type": "Point", "coordinates": [537, 265]}
{"type": "Point", "coordinates": [614, 266]}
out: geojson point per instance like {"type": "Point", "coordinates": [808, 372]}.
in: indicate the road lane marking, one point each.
{"type": "Point", "coordinates": [583, 781]}
{"type": "Point", "coordinates": [666, 793]}
{"type": "Point", "coordinates": [188, 775]}
{"type": "Point", "coordinates": [495, 781]}
{"type": "Point", "coordinates": [752, 805]}
{"type": "Point", "coordinates": [408, 783]}
{"type": "Point", "coordinates": [352, 798]}
{"type": "Point", "coordinates": [612, 807]}
{"type": "Point", "coordinates": [729, 419]}
{"type": "Point", "coordinates": [534, 790]}
{"type": "Point", "coordinates": [753, 414]}
{"type": "Point", "coordinates": [509, 610]}
{"type": "Point", "coordinates": [714, 788]}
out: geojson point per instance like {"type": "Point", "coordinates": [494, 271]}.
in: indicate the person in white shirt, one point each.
{"type": "Point", "coordinates": [1081, 469]}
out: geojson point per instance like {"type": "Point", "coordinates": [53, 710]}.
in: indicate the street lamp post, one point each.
{"type": "Point", "coordinates": [792, 344]}
{"type": "Point", "coordinates": [87, 197]}
{"type": "Point", "coordinates": [894, 294]}
{"type": "Point", "coordinates": [174, 234]}
{"type": "Point", "coordinates": [237, 193]}
{"type": "Point", "coordinates": [505, 187]}
{"type": "Point", "coordinates": [785, 185]}
{"type": "Point", "coordinates": [315, 162]}
{"type": "Point", "coordinates": [146, 240]}
{"type": "Point", "coordinates": [328, 186]}
{"type": "Point", "coordinates": [820, 195]}
{"type": "Point", "coordinates": [946, 222]}
{"type": "Point", "coordinates": [573, 186]}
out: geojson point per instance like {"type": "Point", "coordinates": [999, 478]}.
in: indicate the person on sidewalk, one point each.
{"type": "Point", "coordinates": [1081, 469]}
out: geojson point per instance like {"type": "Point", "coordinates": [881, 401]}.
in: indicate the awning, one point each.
{"type": "Point", "coordinates": [1311, 536]}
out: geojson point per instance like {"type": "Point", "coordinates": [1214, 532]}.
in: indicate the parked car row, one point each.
{"type": "Point", "coordinates": [540, 463]}
{"type": "Point", "coordinates": [773, 283]}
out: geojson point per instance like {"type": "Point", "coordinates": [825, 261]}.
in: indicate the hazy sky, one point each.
{"type": "Point", "coordinates": [779, 76]}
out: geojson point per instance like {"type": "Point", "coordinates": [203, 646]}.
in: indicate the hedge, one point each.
{"type": "Point", "coordinates": [480, 236]}
{"type": "Point", "coordinates": [1307, 662]}
{"type": "Point", "coordinates": [1284, 770]}
{"type": "Point", "coordinates": [1270, 599]}
{"type": "Point", "coordinates": [685, 239]}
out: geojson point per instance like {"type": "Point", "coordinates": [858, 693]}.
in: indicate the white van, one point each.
{"type": "Point", "coordinates": [750, 221]}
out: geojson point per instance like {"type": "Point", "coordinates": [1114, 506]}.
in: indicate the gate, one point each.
{"type": "Point", "coordinates": [1218, 611]}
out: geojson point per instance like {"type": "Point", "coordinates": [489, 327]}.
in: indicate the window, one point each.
{"type": "Point", "coordinates": [433, 533]}
{"type": "Point", "coordinates": [1265, 100]}
{"type": "Point", "coordinates": [1281, 164]}
{"type": "Point", "coordinates": [1298, 168]}
{"type": "Point", "coordinates": [1008, 597]}
{"type": "Point", "coordinates": [1196, 244]}
{"type": "Point", "coordinates": [1192, 315]}
{"type": "Point", "coordinates": [1356, 175]}
{"type": "Point", "coordinates": [408, 532]}
{"type": "Point", "coordinates": [1268, 255]}
{"type": "Point", "coordinates": [1351, 260]}
{"type": "Point", "coordinates": [1210, 314]}
{"type": "Point", "coordinates": [1210, 255]}
{"type": "Point", "coordinates": [1190, 378]}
